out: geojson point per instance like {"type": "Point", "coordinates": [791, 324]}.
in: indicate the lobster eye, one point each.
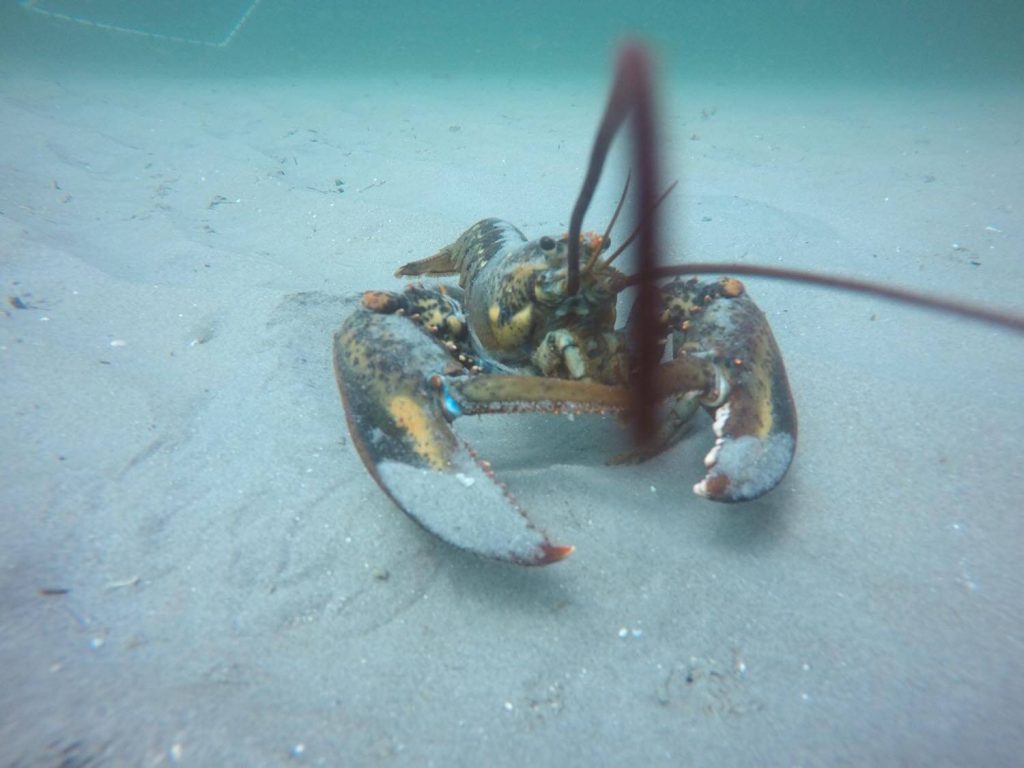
{"type": "Point", "coordinates": [547, 243]}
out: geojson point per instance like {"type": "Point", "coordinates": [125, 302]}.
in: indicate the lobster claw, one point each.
{"type": "Point", "coordinates": [755, 420]}
{"type": "Point", "coordinates": [387, 370]}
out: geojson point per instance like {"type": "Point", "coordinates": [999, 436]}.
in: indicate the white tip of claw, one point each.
{"type": "Point", "coordinates": [467, 508]}
{"type": "Point", "coordinates": [743, 468]}
{"type": "Point", "coordinates": [712, 457]}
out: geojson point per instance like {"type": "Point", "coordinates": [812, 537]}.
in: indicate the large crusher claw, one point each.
{"type": "Point", "coordinates": [754, 415]}
{"type": "Point", "coordinates": [387, 370]}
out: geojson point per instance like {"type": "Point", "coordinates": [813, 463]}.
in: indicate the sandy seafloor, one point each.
{"type": "Point", "coordinates": [236, 590]}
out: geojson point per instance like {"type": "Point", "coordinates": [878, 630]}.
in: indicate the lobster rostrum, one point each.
{"type": "Point", "coordinates": [532, 326]}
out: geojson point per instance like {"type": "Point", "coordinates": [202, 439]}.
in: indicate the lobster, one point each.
{"type": "Point", "coordinates": [531, 325]}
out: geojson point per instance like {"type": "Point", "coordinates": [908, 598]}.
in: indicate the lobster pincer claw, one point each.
{"type": "Point", "coordinates": [755, 420]}
{"type": "Point", "coordinates": [388, 371]}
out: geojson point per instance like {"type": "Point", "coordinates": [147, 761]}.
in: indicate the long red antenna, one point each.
{"type": "Point", "coordinates": [631, 95]}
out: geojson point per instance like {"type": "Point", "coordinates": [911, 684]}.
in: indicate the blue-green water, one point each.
{"type": "Point", "coordinates": [730, 40]}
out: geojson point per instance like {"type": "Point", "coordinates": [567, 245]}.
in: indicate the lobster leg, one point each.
{"type": "Point", "coordinates": [501, 393]}
{"type": "Point", "coordinates": [387, 370]}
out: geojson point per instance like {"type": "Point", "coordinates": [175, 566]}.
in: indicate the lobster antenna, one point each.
{"type": "Point", "coordinates": [621, 101]}
{"type": "Point", "coordinates": [631, 96]}
{"type": "Point", "coordinates": [998, 317]}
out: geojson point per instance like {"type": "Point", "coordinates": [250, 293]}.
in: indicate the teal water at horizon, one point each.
{"type": "Point", "coordinates": [788, 41]}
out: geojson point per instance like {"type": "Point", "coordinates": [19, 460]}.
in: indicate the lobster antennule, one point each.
{"type": "Point", "coordinates": [629, 240]}
{"type": "Point", "coordinates": [611, 223]}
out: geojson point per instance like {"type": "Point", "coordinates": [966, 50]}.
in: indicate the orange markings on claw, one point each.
{"type": "Point", "coordinates": [417, 424]}
{"type": "Point", "coordinates": [553, 553]}
{"type": "Point", "coordinates": [732, 287]}
{"type": "Point", "coordinates": [379, 301]}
